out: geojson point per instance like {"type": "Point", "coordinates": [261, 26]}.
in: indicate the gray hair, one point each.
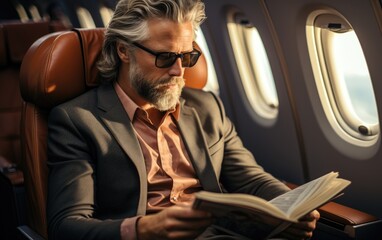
{"type": "Point", "coordinates": [129, 24]}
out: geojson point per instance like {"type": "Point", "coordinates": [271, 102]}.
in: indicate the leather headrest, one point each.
{"type": "Point", "coordinates": [196, 77]}
{"type": "Point", "coordinates": [61, 66]}
{"type": "Point", "coordinates": [53, 70]}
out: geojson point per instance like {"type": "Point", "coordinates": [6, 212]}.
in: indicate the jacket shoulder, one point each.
{"type": "Point", "coordinates": [205, 103]}
{"type": "Point", "coordinates": [198, 97]}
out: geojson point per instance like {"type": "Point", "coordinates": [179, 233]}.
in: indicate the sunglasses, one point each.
{"type": "Point", "coordinates": [167, 59]}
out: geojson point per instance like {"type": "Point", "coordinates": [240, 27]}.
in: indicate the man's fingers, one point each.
{"type": "Point", "coordinates": [313, 215]}
{"type": "Point", "coordinates": [304, 228]}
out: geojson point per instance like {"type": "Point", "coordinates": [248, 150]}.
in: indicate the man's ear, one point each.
{"type": "Point", "coordinates": [123, 53]}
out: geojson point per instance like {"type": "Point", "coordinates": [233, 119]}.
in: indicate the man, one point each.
{"type": "Point", "coordinates": [126, 158]}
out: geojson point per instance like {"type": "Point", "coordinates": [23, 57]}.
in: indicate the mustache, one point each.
{"type": "Point", "coordinates": [168, 81]}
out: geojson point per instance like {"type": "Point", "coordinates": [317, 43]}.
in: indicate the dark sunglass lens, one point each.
{"type": "Point", "coordinates": [186, 60]}
{"type": "Point", "coordinates": [194, 56]}
{"type": "Point", "coordinates": [165, 60]}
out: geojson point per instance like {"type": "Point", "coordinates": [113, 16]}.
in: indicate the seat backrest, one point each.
{"type": "Point", "coordinates": [15, 39]}
{"type": "Point", "coordinates": [57, 68]}
{"type": "Point", "coordinates": [12, 50]}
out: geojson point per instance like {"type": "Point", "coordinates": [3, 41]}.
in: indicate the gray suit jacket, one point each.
{"type": "Point", "coordinates": [97, 174]}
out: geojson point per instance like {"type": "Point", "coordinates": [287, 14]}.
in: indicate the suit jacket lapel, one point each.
{"type": "Point", "coordinates": [191, 130]}
{"type": "Point", "coordinates": [116, 119]}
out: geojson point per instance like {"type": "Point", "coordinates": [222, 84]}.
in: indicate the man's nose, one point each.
{"type": "Point", "coordinates": [176, 68]}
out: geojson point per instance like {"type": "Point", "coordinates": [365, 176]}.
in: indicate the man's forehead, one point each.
{"type": "Point", "coordinates": [164, 29]}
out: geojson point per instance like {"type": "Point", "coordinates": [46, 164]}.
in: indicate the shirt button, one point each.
{"type": "Point", "coordinates": [174, 199]}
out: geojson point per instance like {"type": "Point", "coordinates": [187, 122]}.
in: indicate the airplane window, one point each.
{"type": "Point", "coordinates": [254, 68]}
{"type": "Point", "coordinates": [21, 12]}
{"type": "Point", "coordinates": [85, 18]}
{"type": "Point", "coordinates": [106, 14]}
{"type": "Point", "coordinates": [212, 81]}
{"type": "Point", "coordinates": [342, 77]}
{"type": "Point", "coordinates": [350, 72]}
{"type": "Point", "coordinates": [261, 66]}
{"type": "Point", "coordinates": [34, 13]}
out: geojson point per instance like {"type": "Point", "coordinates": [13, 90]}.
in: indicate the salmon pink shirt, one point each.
{"type": "Point", "coordinates": [170, 175]}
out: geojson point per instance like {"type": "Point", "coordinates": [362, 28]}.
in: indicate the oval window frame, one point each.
{"type": "Point", "coordinates": [240, 31]}
{"type": "Point", "coordinates": [344, 126]}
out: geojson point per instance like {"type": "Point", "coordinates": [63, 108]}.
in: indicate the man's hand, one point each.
{"type": "Point", "coordinates": [176, 222]}
{"type": "Point", "coordinates": [304, 228]}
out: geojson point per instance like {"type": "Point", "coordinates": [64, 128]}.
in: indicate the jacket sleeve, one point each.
{"type": "Point", "coordinates": [240, 171]}
{"type": "Point", "coordinates": [70, 203]}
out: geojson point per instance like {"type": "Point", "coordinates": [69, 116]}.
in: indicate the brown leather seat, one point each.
{"type": "Point", "coordinates": [57, 68]}
{"type": "Point", "coordinates": [15, 39]}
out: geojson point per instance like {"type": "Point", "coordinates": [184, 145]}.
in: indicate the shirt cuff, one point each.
{"type": "Point", "coordinates": [129, 228]}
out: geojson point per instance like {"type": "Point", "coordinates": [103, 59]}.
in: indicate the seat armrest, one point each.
{"type": "Point", "coordinates": [354, 223]}
{"type": "Point", "coordinates": [26, 232]}
{"type": "Point", "coordinates": [345, 215]}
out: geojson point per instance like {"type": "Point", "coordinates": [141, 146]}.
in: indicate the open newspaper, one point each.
{"type": "Point", "coordinates": [288, 207]}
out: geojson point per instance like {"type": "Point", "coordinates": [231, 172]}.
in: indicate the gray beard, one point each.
{"type": "Point", "coordinates": [154, 91]}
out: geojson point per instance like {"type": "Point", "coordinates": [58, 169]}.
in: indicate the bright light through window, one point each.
{"type": "Point", "coordinates": [85, 18]}
{"type": "Point", "coordinates": [342, 78]}
{"type": "Point", "coordinates": [353, 75]}
{"type": "Point", "coordinates": [262, 68]}
{"type": "Point", "coordinates": [254, 68]}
